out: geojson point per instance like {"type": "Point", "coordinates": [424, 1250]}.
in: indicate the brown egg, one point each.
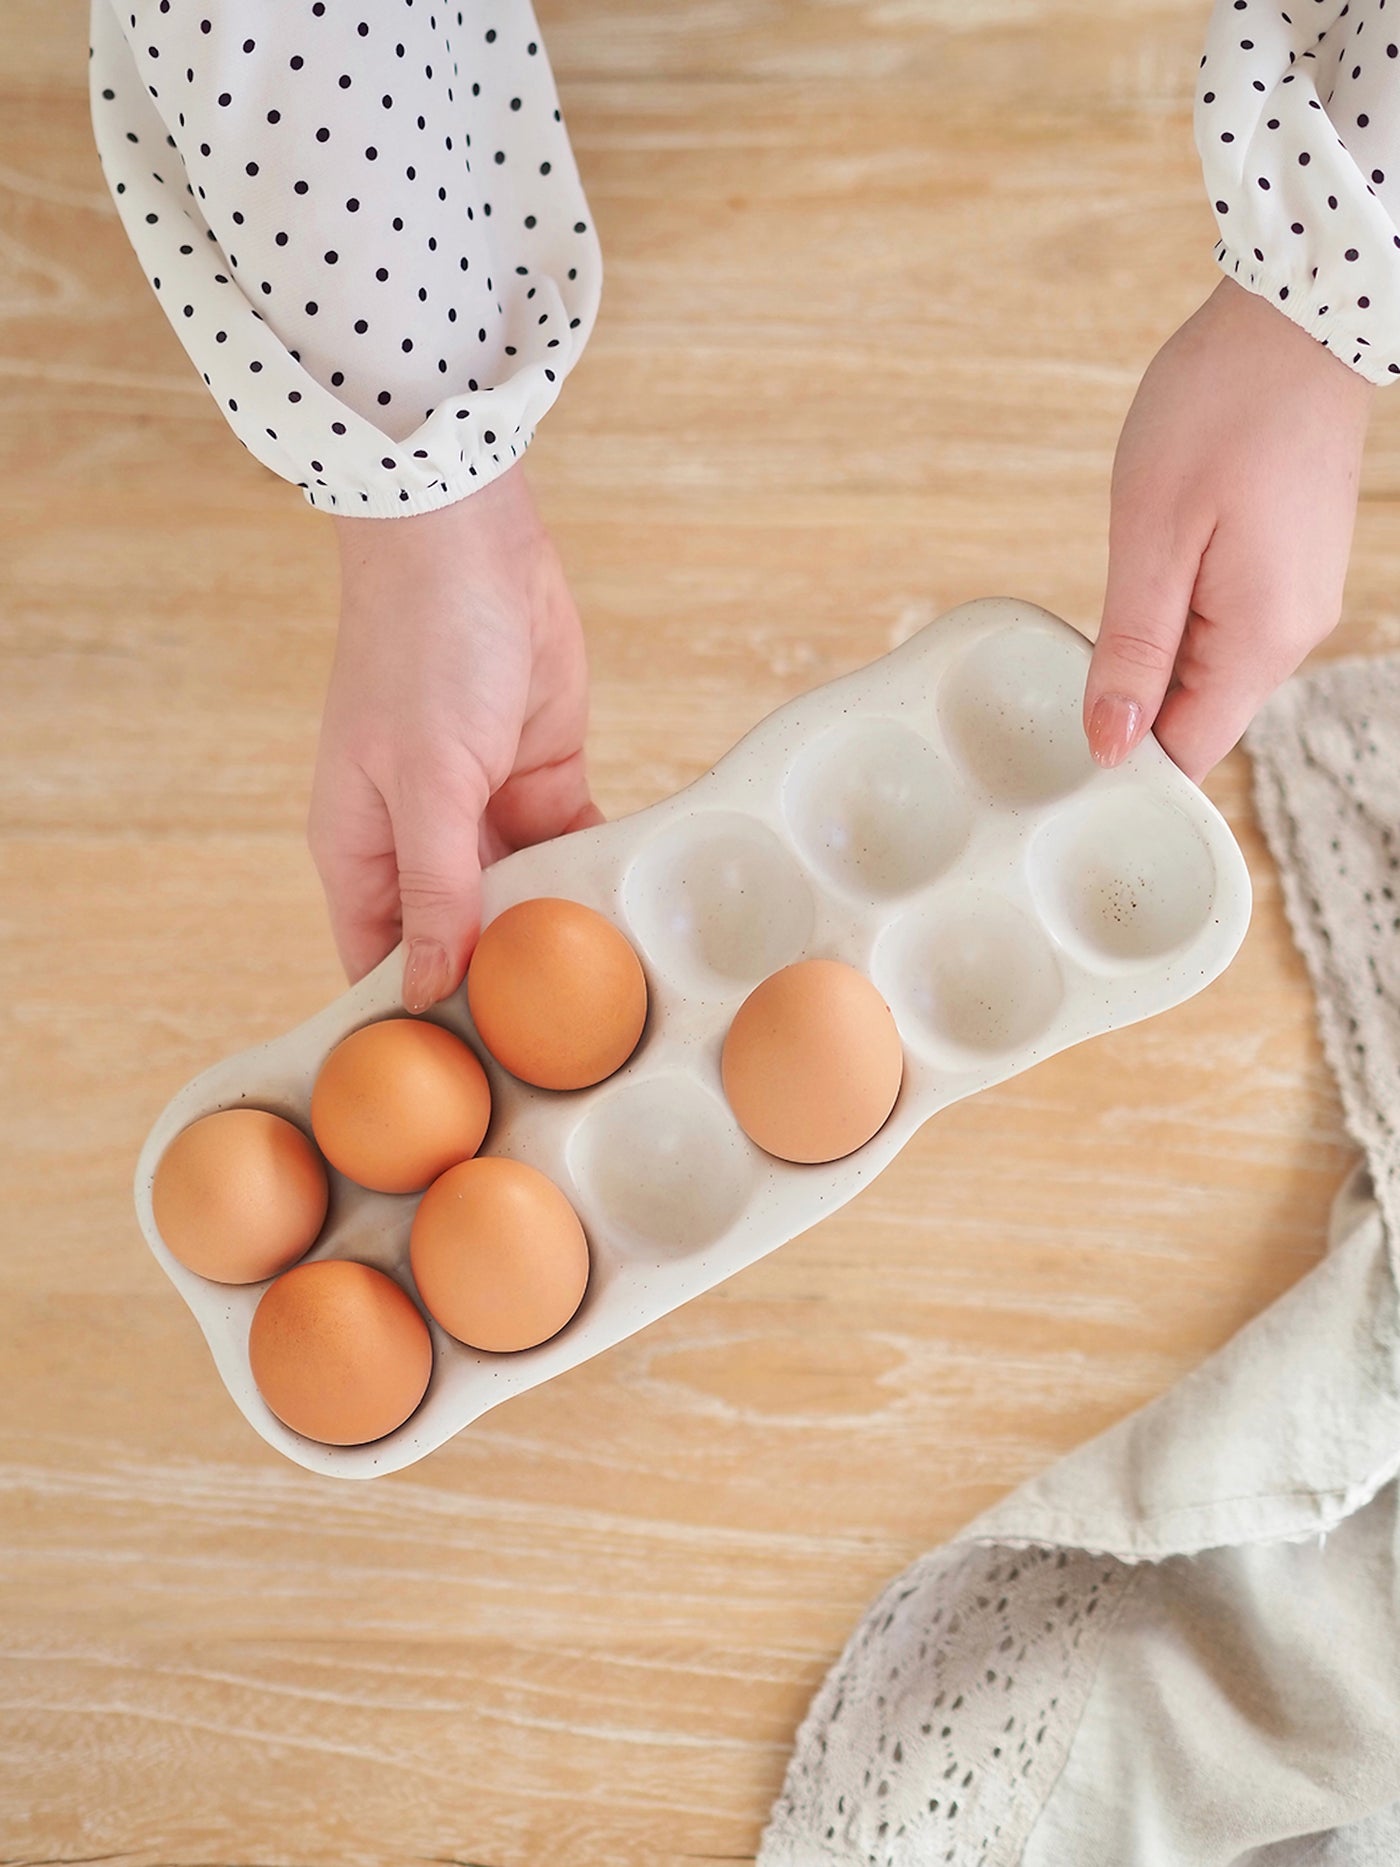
{"type": "Point", "coordinates": [399, 1102]}
{"type": "Point", "coordinates": [812, 1062]}
{"type": "Point", "coordinates": [339, 1352]}
{"type": "Point", "coordinates": [557, 994]}
{"type": "Point", "coordinates": [498, 1255]}
{"type": "Point", "coordinates": [240, 1195]}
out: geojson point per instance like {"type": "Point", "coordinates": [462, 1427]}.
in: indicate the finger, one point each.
{"type": "Point", "coordinates": [439, 885]}
{"type": "Point", "coordinates": [352, 846]}
{"type": "Point", "coordinates": [1224, 678]}
{"type": "Point", "coordinates": [1151, 574]}
{"type": "Point", "coordinates": [550, 800]}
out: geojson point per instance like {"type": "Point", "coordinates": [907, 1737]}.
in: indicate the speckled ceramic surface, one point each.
{"type": "Point", "coordinates": [933, 819]}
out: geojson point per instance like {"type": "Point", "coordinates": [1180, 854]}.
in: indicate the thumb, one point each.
{"type": "Point", "coordinates": [1151, 577]}
{"type": "Point", "coordinates": [439, 878]}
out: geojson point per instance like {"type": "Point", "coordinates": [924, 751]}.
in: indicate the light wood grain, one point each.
{"type": "Point", "coordinates": [881, 282]}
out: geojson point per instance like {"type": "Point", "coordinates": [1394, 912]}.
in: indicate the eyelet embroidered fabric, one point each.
{"type": "Point", "coordinates": [938, 1736]}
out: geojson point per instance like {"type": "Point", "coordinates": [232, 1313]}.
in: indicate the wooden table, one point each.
{"type": "Point", "coordinates": [882, 280]}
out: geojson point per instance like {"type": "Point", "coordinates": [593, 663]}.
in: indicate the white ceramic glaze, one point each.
{"type": "Point", "coordinates": [935, 820]}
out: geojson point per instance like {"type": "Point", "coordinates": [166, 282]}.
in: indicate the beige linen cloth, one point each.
{"type": "Point", "coordinates": [1180, 1646]}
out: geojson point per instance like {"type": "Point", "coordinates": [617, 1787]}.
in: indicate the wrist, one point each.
{"type": "Point", "coordinates": [1292, 339]}
{"type": "Point", "coordinates": [500, 514]}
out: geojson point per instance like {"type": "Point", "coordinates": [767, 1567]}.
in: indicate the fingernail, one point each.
{"type": "Point", "coordinates": [1114, 723]}
{"type": "Point", "coordinates": [425, 975]}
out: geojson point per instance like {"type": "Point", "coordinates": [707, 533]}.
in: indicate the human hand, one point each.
{"type": "Point", "coordinates": [1234, 497]}
{"type": "Point", "coordinates": [453, 727]}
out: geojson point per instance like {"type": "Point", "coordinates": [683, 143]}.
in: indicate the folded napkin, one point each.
{"type": "Point", "coordinates": [1180, 1646]}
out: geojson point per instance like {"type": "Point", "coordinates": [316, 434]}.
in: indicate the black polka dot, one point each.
{"type": "Point", "coordinates": [417, 314]}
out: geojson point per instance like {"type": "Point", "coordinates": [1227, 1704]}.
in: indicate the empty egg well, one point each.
{"type": "Point", "coordinates": [969, 977]}
{"type": "Point", "coordinates": [718, 902]}
{"type": "Point", "coordinates": [1122, 879]}
{"type": "Point", "coordinates": [663, 1164]}
{"type": "Point", "coordinates": [875, 809]}
{"type": "Point", "coordinates": [1010, 709]}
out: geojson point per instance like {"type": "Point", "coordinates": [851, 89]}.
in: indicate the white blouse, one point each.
{"type": "Point", "coordinates": [363, 221]}
{"type": "Point", "coordinates": [1298, 127]}
{"type": "Point", "coordinates": [367, 227]}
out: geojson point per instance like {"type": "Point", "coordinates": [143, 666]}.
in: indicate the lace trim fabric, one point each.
{"type": "Point", "coordinates": [1327, 788]}
{"type": "Point", "coordinates": [942, 1728]}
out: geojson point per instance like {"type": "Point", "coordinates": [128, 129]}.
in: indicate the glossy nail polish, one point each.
{"type": "Point", "coordinates": [1115, 725]}
{"type": "Point", "coordinates": [425, 975]}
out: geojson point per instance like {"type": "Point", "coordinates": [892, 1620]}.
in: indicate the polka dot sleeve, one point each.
{"type": "Point", "coordinates": [1298, 126]}
{"type": "Point", "coordinates": [364, 223]}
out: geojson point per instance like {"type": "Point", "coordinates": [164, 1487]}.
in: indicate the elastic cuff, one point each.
{"type": "Point", "coordinates": [356, 502]}
{"type": "Point", "coordinates": [1310, 304]}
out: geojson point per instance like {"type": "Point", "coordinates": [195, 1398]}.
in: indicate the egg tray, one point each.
{"type": "Point", "coordinates": [933, 819]}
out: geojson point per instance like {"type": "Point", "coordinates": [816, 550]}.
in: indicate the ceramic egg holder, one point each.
{"type": "Point", "coordinates": [933, 819]}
